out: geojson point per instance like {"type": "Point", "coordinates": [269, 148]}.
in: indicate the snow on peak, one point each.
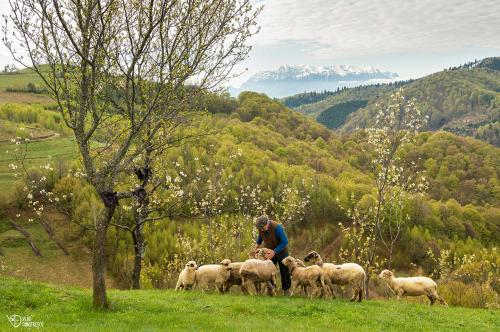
{"type": "Point", "coordinates": [334, 72]}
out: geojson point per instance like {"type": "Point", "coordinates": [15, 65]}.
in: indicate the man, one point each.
{"type": "Point", "coordinates": [273, 237]}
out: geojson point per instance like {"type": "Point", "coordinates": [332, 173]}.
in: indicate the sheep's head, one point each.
{"type": "Point", "coordinates": [386, 275]}
{"type": "Point", "coordinates": [313, 256]}
{"type": "Point", "coordinates": [226, 264]}
{"type": "Point", "coordinates": [289, 261]}
{"type": "Point", "coordinates": [260, 254]}
{"type": "Point", "coordinates": [299, 262]}
{"type": "Point", "coordinates": [191, 265]}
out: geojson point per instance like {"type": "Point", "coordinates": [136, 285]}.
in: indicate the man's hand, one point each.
{"type": "Point", "coordinates": [269, 254]}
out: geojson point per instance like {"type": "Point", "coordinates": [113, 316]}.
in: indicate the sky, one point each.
{"type": "Point", "coordinates": [411, 37]}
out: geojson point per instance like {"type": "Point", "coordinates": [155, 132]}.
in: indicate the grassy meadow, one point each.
{"type": "Point", "coordinates": [69, 309]}
{"type": "Point", "coordinates": [19, 79]}
{"type": "Point", "coordinates": [55, 151]}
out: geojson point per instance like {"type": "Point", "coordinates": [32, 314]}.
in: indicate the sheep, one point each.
{"type": "Point", "coordinates": [216, 274]}
{"type": "Point", "coordinates": [305, 276]}
{"type": "Point", "coordinates": [413, 286]}
{"type": "Point", "coordinates": [234, 276]}
{"type": "Point", "coordinates": [301, 264]}
{"type": "Point", "coordinates": [187, 277]}
{"type": "Point", "coordinates": [256, 271]}
{"type": "Point", "coordinates": [344, 274]}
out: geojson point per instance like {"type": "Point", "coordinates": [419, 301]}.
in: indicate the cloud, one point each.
{"type": "Point", "coordinates": [371, 27]}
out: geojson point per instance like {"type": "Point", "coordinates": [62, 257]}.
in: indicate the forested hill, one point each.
{"type": "Point", "coordinates": [289, 157]}
{"type": "Point", "coordinates": [464, 100]}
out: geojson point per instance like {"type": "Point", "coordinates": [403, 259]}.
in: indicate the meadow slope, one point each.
{"type": "Point", "coordinates": [69, 309]}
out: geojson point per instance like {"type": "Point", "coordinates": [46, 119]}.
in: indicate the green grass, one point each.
{"type": "Point", "coordinates": [19, 79]}
{"type": "Point", "coordinates": [40, 153]}
{"type": "Point", "coordinates": [18, 261]}
{"type": "Point", "coordinates": [69, 309]}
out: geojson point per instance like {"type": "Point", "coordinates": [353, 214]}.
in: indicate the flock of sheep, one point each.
{"type": "Point", "coordinates": [316, 280]}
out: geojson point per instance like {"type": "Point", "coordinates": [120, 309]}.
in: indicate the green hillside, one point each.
{"type": "Point", "coordinates": [19, 80]}
{"type": "Point", "coordinates": [464, 100]}
{"type": "Point", "coordinates": [368, 93]}
{"type": "Point", "coordinates": [278, 147]}
{"type": "Point", "coordinates": [460, 100]}
{"type": "Point", "coordinates": [69, 309]}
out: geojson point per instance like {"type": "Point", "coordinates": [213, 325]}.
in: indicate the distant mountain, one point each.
{"type": "Point", "coordinates": [288, 80]}
{"type": "Point", "coordinates": [464, 100]}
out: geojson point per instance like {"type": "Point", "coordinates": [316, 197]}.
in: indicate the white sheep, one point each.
{"type": "Point", "coordinates": [412, 286]}
{"type": "Point", "coordinates": [310, 276]}
{"type": "Point", "coordinates": [344, 274]}
{"type": "Point", "coordinates": [255, 271]}
{"type": "Point", "coordinates": [187, 277]}
{"type": "Point", "coordinates": [213, 274]}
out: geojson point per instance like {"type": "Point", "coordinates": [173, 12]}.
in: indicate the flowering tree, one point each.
{"type": "Point", "coordinates": [36, 193]}
{"type": "Point", "coordinates": [116, 68]}
{"type": "Point", "coordinates": [395, 178]}
{"type": "Point", "coordinates": [290, 206]}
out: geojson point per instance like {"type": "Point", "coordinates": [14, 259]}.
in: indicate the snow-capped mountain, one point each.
{"type": "Point", "coordinates": [288, 80]}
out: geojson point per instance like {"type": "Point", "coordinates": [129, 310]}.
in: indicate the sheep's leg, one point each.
{"type": "Point", "coordinates": [273, 282]}
{"type": "Point", "coordinates": [360, 295]}
{"type": "Point", "coordinates": [244, 286]}
{"type": "Point", "coordinates": [331, 290]}
{"type": "Point", "coordinates": [294, 286]}
{"type": "Point", "coordinates": [305, 290]}
{"type": "Point", "coordinates": [322, 286]}
{"type": "Point", "coordinates": [400, 294]}
{"type": "Point", "coordinates": [257, 287]}
{"type": "Point", "coordinates": [270, 288]}
{"type": "Point", "coordinates": [226, 287]}
{"type": "Point", "coordinates": [431, 298]}
{"type": "Point", "coordinates": [354, 294]}
{"type": "Point", "coordinates": [219, 287]}
{"type": "Point", "coordinates": [312, 285]}
{"type": "Point", "coordinates": [442, 301]}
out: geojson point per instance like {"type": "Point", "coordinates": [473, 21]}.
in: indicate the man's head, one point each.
{"type": "Point", "coordinates": [262, 223]}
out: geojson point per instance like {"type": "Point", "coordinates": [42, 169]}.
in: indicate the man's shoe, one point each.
{"type": "Point", "coordinates": [286, 292]}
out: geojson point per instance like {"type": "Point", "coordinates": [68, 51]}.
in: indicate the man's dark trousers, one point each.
{"type": "Point", "coordinates": [286, 282]}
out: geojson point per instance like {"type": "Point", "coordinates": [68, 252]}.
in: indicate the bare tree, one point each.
{"type": "Point", "coordinates": [118, 68]}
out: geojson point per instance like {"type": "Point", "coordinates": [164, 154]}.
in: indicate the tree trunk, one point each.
{"type": "Point", "coordinates": [139, 247]}
{"type": "Point", "coordinates": [52, 235]}
{"type": "Point", "coordinates": [389, 263]}
{"type": "Point", "coordinates": [100, 300]}
{"type": "Point", "coordinates": [27, 235]}
{"type": "Point", "coordinates": [367, 282]}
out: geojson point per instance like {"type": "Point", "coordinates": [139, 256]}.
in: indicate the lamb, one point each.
{"type": "Point", "coordinates": [413, 286]}
{"type": "Point", "coordinates": [234, 276]}
{"type": "Point", "coordinates": [344, 274]}
{"type": "Point", "coordinates": [255, 271]}
{"type": "Point", "coordinates": [306, 276]}
{"type": "Point", "coordinates": [213, 274]}
{"type": "Point", "coordinates": [187, 277]}
{"type": "Point", "coordinates": [301, 263]}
